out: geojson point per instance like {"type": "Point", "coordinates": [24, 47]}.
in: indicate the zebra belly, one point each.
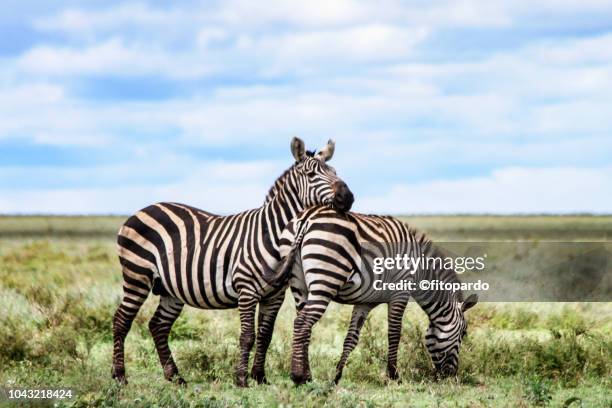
{"type": "Point", "coordinates": [188, 254]}
{"type": "Point", "coordinates": [205, 284]}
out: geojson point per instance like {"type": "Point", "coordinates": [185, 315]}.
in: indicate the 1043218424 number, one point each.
{"type": "Point", "coordinates": [37, 393]}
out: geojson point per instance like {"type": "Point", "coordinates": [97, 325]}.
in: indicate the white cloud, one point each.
{"type": "Point", "coordinates": [125, 200]}
{"type": "Point", "coordinates": [372, 42]}
{"type": "Point", "coordinates": [40, 93]}
{"type": "Point", "coordinates": [582, 51]}
{"type": "Point", "coordinates": [78, 21]}
{"type": "Point", "coordinates": [303, 51]}
{"type": "Point", "coordinates": [506, 95]}
{"type": "Point", "coordinates": [307, 38]}
{"type": "Point", "coordinates": [111, 57]}
{"type": "Point", "coordinates": [218, 187]}
{"type": "Point", "coordinates": [239, 15]}
{"type": "Point", "coordinates": [243, 15]}
{"type": "Point", "coordinates": [225, 190]}
{"type": "Point", "coordinates": [505, 191]}
{"type": "Point", "coordinates": [251, 76]}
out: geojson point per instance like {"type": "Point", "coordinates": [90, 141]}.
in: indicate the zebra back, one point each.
{"type": "Point", "coordinates": [336, 252]}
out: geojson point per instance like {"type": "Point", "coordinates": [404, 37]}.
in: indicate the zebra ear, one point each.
{"type": "Point", "coordinates": [470, 302]}
{"type": "Point", "coordinates": [297, 148]}
{"type": "Point", "coordinates": [327, 152]}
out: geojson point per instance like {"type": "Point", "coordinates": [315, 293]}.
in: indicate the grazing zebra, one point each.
{"type": "Point", "coordinates": [328, 256]}
{"type": "Point", "coordinates": [189, 256]}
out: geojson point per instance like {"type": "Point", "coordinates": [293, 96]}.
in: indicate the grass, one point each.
{"type": "Point", "coordinates": [60, 284]}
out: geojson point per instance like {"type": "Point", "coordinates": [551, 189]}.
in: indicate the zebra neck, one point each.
{"type": "Point", "coordinates": [277, 213]}
{"type": "Point", "coordinates": [439, 305]}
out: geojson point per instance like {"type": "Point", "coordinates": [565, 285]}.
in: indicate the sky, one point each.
{"type": "Point", "coordinates": [436, 107]}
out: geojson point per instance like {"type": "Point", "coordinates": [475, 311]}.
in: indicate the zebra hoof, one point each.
{"type": "Point", "coordinates": [242, 381]}
{"type": "Point", "coordinates": [119, 375]}
{"type": "Point", "coordinates": [122, 380]}
{"type": "Point", "coordinates": [179, 381]}
{"type": "Point", "coordinates": [337, 378]}
{"type": "Point", "coordinates": [300, 379]}
{"type": "Point", "coordinates": [393, 374]}
{"type": "Point", "coordinates": [259, 376]}
{"type": "Point", "coordinates": [174, 377]}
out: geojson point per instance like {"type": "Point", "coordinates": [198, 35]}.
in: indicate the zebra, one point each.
{"type": "Point", "coordinates": [327, 256]}
{"type": "Point", "coordinates": [189, 256]}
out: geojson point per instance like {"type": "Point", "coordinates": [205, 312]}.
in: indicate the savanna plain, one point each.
{"type": "Point", "coordinates": [60, 284]}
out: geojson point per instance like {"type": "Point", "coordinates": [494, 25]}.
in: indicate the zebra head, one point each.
{"type": "Point", "coordinates": [444, 336]}
{"type": "Point", "coordinates": [315, 181]}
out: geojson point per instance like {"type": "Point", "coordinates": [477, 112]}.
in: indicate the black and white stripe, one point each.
{"type": "Point", "coordinates": [333, 253]}
{"type": "Point", "coordinates": [189, 256]}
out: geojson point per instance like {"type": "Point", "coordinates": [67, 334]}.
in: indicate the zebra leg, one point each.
{"type": "Point", "coordinates": [268, 310]}
{"type": "Point", "coordinates": [395, 314]}
{"type": "Point", "coordinates": [247, 305]}
{"type": "Point", "coordinates": [302, 329]}
{"type": "Point", "coordinates": [160, 325]}
{"type": "Point", "coordinates": [358, 318]}
{"type": "Point", "coordinates": [298, 295]}
{"type": "Point", "coordinates": [136, 288]}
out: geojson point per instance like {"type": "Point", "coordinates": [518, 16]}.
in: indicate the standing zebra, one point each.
{"type": "Point", "coordinates": [327, 256]}
{"type": "Point", "coordinates": [189, 256]}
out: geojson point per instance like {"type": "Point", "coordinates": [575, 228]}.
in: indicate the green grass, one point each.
{"type": "Point", "coordinates": [60, 284]}
{"type": "Point", "coordinates": [557, 228]}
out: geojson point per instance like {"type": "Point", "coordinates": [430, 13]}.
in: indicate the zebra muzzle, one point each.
{"type": "Point", "coordinates": [343, 197]}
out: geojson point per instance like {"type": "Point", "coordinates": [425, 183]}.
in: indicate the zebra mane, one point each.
{"type": "Point", "coordinates": [435, 251]}
{"type": "Point", "coordinates": [280, 181]}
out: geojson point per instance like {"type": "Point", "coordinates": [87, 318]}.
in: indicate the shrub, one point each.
{"type": "Point", "coordinates": [538, 390]}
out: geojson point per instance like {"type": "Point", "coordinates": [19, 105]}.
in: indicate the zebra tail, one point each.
{"type": "Point", "coordinates": [280, 276]}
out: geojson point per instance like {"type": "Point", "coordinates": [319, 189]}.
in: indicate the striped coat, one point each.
{"type": "Point", "coordinates": [333, 255]}
{"type": "Point", "coordinates": [191, 257]}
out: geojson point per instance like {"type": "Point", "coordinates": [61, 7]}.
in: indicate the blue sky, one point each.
{"type": "Point", "coordinates": [436, 107]}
